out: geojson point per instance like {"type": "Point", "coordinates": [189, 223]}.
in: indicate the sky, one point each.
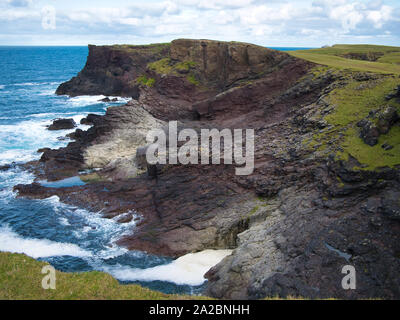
{"type": "Point", "coordinates": [272, 23]}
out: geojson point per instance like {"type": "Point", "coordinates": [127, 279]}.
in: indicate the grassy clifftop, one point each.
{"type": "Point", "coordinates": [21, 278]}
{"type": "Point", "coordinates": [369, 58]}
{"type": "Point", "coordinates": [355, 98]}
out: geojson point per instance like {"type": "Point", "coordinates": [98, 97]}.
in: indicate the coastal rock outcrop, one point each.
{"type": "Point", "coordinates": [62, 124]}
{"type": "Point", "coordinates": [377, 123]}
{"type": "Point", "coordinates": [111, 70]}
{"type": "Point", "coordinates": [308, 209]}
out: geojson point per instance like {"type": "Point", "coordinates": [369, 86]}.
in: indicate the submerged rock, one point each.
{"type": "Point", "coordinates": [7, 167]}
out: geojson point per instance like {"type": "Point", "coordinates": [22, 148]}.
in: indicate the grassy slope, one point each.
{"type": "Point", "coordinates": [389, 63]}
{"type": "Point", "coordinates": [354, 101]}
{"type": "Point", "coordinates": [21, 278]}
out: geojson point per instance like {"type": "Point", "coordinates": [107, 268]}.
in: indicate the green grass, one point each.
{"type": "Point", "coordinates": [167, 66]}
{"type": "Point", "coordinates": [372, 157]}
{"type": "Point", "coordinates": [152, 48]}
{"type": "Point", "coordinates": [335, 57]}
{"type": "Point", "coordinates": [192, 79]}
{"type": "Point", "coordinates": [343, 63]}
{"type": "Point", "coordinates": [346, 49]}
{"type": "Point", "coordinates": [21, 278]}
{"type": "Point", "coordinates": [351, 104]}
{"type": "Point", "coordinates": [393, 57]}
{"type": "Point", "coordinates": [162, 66]}
{"type": "Point", "coordinates": [145, 81]}
{"type": "Point", "coordinates": [357, 99]}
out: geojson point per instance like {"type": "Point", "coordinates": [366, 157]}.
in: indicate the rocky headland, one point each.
{"type": "Point", "coordinates": [326, 186]}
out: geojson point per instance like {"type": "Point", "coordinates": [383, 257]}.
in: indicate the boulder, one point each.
{"type": "Point", "coordinates": [369, 132]}
{"type": "Point", "coordinates": [386, 119]}
{"type": "Point", "coordinates": [90, 119]}
{"type": "Point", "coordinates": [6, 167]}
{"type": "Point", "coordinates": [387, 146]}
{"type": "Point", "coordinates": [79, 133]}
{"type": "Point", "coordinates": [62, 124]}
{"type": "Point", "coordinates": [381, 122]}
{"type": "Point", "coordinates": [395, 94]}
{"type": "Point", "coordinates": [41, 150]}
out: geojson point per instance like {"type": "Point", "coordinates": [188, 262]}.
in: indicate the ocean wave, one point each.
{"type": "Point", "coordinates": [50, 92]}
{"type": "Point", "coordinates": [82, 101]}
{"type": "Point", "coordinates": [91, 228]}
{"type": "Point", "coordinates": [15, 176]}
{"type": "Point", "coordinates": [186, 270]}
{"type": "Point", "coordinates": [37, 248]}
{"type": "Point", "coordinates": [31, 84]}
{"type": "Point", "coordinates": [19, 142]}
{"type": "Point", "coordinates": [2, 86]}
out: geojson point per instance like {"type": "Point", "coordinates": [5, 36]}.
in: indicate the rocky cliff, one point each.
{"type": "Point", "coordinates": [320, 197]}
{"type": "Point", "coordinates": [111, 70]}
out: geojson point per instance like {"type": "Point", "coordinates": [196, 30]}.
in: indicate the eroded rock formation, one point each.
{"type": "Point", "coordinates": [294, 223]}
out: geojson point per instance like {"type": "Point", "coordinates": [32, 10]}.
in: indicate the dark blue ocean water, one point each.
{"type": "Point", "coordinates": [70, 238]}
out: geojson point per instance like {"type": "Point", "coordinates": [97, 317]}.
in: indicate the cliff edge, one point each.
{"type": "Point", "coordinates": [324, 192]}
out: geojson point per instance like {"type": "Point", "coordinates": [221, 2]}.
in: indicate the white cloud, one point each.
{"type": "Point", "coordinates": [264, 14]}
{"type": "Point", "coordinates": [378, 17]}
{"type": "Point", "coordinates": [348, 14]}
{"type": "Point", "coordinates": [264, 22]}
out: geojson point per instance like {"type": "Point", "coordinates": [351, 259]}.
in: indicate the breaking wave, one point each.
{"type": "Point", "coordinates": [37, 248]}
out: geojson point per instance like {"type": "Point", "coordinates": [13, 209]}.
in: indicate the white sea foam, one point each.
{"type": "Point", "coordinates": [19, 142]}
{"type": "Point", "coordinates": [15, 176]}
{"type": "Point", "coordinates": [2, 86]}
{"type": "Point", "coordinates": [49, 92]}
{"type": "Point", "coordinates": [64, 221]}
{"type": "Point", "coordinates": [27, 84]}
{"type": "Point", "coordinates": [30, 84]}
{"type": "Point", "coordinates": [107, 231]}
{"type": "Point", "coordinates": [37, 248]}
{"type": "Point", "coordinates": [188, 269]}
{"type": "Point", "coordinates": [84, 100]}
{"type": "Point", "coordinates": [90, 100]}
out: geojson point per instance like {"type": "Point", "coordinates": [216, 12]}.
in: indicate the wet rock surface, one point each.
{"type": "Point", "coordinates": [294, 223]}
{"type": "Point", "coordinates": [62, 124]}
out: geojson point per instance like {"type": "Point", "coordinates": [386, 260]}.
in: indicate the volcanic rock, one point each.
{"type": "Point", "coordinates": [62, 124]}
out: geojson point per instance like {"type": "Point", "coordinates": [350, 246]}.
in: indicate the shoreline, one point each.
{"type": "Point", "coordinates": [309, 189]}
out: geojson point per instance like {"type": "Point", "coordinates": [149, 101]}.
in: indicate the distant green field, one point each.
{"type": "Point", "coordinates": [369, 58]}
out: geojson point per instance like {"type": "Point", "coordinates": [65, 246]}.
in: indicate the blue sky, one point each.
{"type": "Point", "coordinates": [304, 23]}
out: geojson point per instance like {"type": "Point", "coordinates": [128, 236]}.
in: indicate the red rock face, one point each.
{"type": "Point", "coordinates": [241, 86]}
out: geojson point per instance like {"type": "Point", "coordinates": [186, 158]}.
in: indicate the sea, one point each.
{"type": "Point", "coordinates": [70, 238]}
